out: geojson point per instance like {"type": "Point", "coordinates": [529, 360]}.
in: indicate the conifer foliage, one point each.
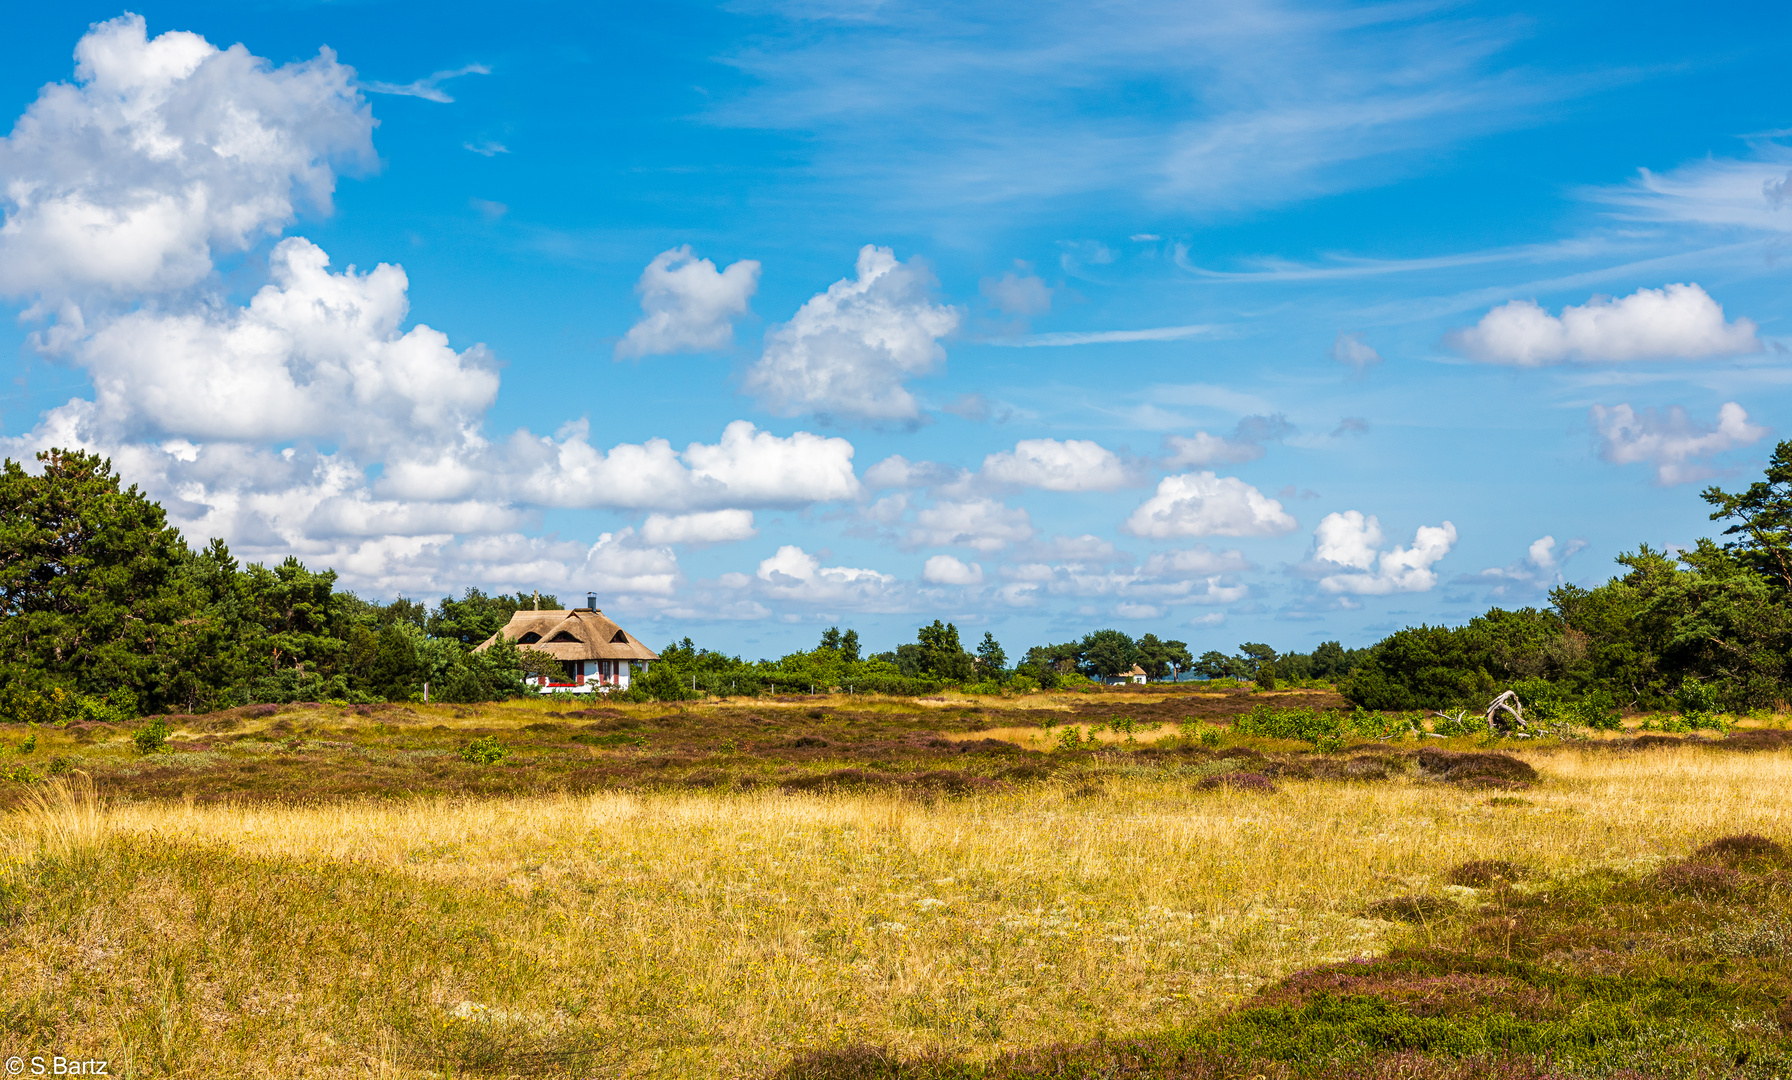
{"type": "Point", "coordinates": [1712, 623]}
{"type": "Point", "coordinates": [105, 611]}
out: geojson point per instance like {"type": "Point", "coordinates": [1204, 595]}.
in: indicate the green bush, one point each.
{"type": "Point", "coordinates": [1597, 710]}
{"type": "Point", "coordinates": [152, 738]}
{"type": "Point", "coordinates": [1698, 705]}
{"type": "Point", "coordinates": [56, 706]}
{"type": "Point", "coordinates": [662, 682]}
{"type": "Point", "coordinates": [484, 751]}
{"type": "Point", "coordinates": [1552, 707]}
{"type": "Point", "coordinates": [1463, 723]}
{"type": "Point", "coordinates": [1325, 728]}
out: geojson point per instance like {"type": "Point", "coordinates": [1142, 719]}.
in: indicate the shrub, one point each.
{"type": "Point", "coordinates": [1698, 879]}
{"type": "Point", "coordinates": [1599, 711]}
{"type": "Point", "coordinates": [1457, 768]}
{"type": "Point", "coordinates": [484, 751]}
{"type": "Point", "coordinates": [56, 706]}
{"type": "Point", "coordinates": [661, 683]}
{"type": "Point", "coordinates": [1206, 734]}
{"type": "Point", "coordinates": [1463, 723]}
{"type": "Point", "coordinates": [1758, 739]}
{"type": "Point", "coordinates": [1325, 728]}
{"type": "Point", "coordinates": [152, 738]}
{"type": "Point", "coordinates": [1770, 936]}
{"type": "Point", "coordinates": [1741, 851]}
{"type": "Point", "coordinates": [28, 745]}
{"type": "Point", "coordinates": [1307, 725]}
{"type": "Point", "coordinates": [1694, 698]}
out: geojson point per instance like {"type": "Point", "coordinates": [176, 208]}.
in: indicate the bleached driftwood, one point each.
{"type": "Point", "coordinates": [1504, 715]}
{"type": "Point", "coordinates": [1509, 704]}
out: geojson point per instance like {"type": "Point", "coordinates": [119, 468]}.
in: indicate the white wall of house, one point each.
{"type": "Point", "coordinates": [593, 675]}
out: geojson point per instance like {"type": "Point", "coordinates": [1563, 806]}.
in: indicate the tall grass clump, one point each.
{"type": "Point", "coordinates": [62, 817]}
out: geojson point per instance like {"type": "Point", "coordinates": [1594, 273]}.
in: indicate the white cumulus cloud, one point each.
{"type": "Point", "coordinates": [795, 575]}
{"type": "Point", "coordinates": [1203, 448]}
{"type": "Point", "coordinates": [1540, 569]}
{"type": "Point", "coordinates": [1245, 444]}
{"type": "Point", "coordinates": [1068, 465]}
{"type": "Point", "coordinates": [848, 350]}
{"type": "Point", "coordinates": [688, 305]}
{"type": "Point", "coordinates": [1677, 322]}
{"type": "Point", "coordinates": [897, 471]}
{"type": "Point", "coordinates": [1678, 447]}
{"type": "Point", "coordinates": [162, 152]}
{"type": "Point", "coordinates": [1017, 294]}
{"type": "Point", "coordinates": [1350, 349]}
{"type": "Point", "coordinates": [711, 527]}
{"type": "Point", "coordinates": [1194, 576]}
{"type": "Point", "coordinates": [746, 467]}
{"type": "Point", "coordinates": [946, 570]}
{"type": "Point", "coordinates": [313, 354]}
{"type": "Point", "coordinates": [1203, 504]}
{"type": "Point", "coordinates": [1348, 556]}
{"type": "Point", "coordinates": [1198, 560]}
{"type": "Point", "coordinates": [314, 420]}
{"type": "Point", "coordinates": [982, 524]}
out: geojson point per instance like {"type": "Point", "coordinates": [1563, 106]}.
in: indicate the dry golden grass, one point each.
{"type": "Point", "coordinates": [713, 935]}
{"type": "Point", "coordinates": [1034, 737]}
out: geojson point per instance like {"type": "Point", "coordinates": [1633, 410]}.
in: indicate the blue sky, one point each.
{"type": "Point", "coordinates": [1227, 322]}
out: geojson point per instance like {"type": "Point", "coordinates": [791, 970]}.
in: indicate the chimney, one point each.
{"type": "Point", "coordinates": [591, 601]}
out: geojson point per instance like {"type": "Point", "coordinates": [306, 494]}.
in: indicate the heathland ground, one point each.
{"type": "Point", "coordinates": [847, 887]}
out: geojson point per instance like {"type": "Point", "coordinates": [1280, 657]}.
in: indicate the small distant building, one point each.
{"type": "Point", "coordinates": [593, 651]}
{"type": "Point", "coordinates": [1136, 675]}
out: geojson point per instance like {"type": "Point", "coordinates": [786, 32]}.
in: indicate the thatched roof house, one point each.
{"type": "Point", "coordinates": [1136, 675]}
{"type": "Point", "coordinates": [592, 649]}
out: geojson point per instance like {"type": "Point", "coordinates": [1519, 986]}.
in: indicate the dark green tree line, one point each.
{"type": "Point", "coordinates": [1713, 622]}
{"type": "Point", "coordinates": [101, 600]}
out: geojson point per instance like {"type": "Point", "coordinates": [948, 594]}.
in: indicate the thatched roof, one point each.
{"type": "Point", "coordinates": [578, 634]}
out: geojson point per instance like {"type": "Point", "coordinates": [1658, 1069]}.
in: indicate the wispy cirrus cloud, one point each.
{"type": "Point", "coordinates": [429, 88]}
{"type": "Point", "coordinates": [1107, 337]}
{"type": "Point", "coordinates": [1254, 104]}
